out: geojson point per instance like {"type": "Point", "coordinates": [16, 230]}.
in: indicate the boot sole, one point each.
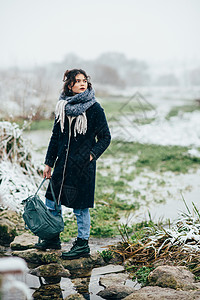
{"type": "Point", "coordinates": [75, 257]}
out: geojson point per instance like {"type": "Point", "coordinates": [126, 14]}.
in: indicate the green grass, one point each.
{"type": "Point", "coordinates": [144, 121]}
{"type": "Point", "coordinates": [41, 125]}
{"type": "Point", "coordinates": [136, 193]}
{"type": "Point", "coordinates": [122, 105]}
{"type": "Point", "coordinates": [103, 223]}
{"type": "Point", "coordinates": [70, 229]}
{"type": "Point", "coordinates": [155, 157]}
{"type": "Point", "coordinates": [107, 255]}
{"type": "Point", "coordinates": [167, 158]}
{"type": "Point", "coordinates": [142, 275]}
{"type": "Point", "coordinates": [108, 181]}
{"type": "Point", "coordinates": [104, 216]}
{"type": "Point", "coordinates": [182, 109]}
{"type": "Point", "coordinates": [139, 230]}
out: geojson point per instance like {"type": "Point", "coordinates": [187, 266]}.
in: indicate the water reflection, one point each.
{"type": "Point", "coordinates": [51, 288]}
{"type": "Point", "coordinates": [82, 286]}
{"type": "Point", "coordinates": [52, 280]}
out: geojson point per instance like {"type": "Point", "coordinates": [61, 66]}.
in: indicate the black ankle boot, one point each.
{"type": "Point", "coordinates": [49, 244]}
{"type": "Point", "coordinates": [79, 249]}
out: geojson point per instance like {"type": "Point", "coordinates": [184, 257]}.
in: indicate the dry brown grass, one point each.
{"type": "Point", "coordinates": [161, 245]}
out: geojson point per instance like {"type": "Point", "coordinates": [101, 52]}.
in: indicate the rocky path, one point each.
{"type": "Point", "coordinates": [51, 277]}
{"type": "Point", "coordinates": [80, 276]}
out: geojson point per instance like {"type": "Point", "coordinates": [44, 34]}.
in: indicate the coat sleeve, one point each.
{"type": "Point", "coordinates": [52, 150]}
{"type": "Point", "coordinates": [102, 133]}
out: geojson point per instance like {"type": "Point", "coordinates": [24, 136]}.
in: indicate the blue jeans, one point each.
{"type": "Point", "coordinates": [82, 217]}
{"type": "Point", "coordinates": [83, 222]}
{"type": "Point", "coordinates": [50, 204]}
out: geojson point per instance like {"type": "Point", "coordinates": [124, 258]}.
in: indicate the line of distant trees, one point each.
{"type": "Point", "coordinates": [116, 69]}
{"type": "Point", "coordinates": [35, 91]}
{"type": "Point", "coordinates": [112, 69]}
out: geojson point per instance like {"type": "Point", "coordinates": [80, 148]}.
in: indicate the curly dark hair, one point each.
{"type": "Point", "coordinates": [70, 78]}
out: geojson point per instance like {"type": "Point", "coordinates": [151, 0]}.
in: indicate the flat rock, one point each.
{"type": "Point", "coordinates": [14, 217]}
{"type": "Point", "coordinates": [110, 279]}
{"type": "Point", "coordinates": [39, 257]}
{"type": "Point", "coordinates": [7, 232]}
{"type": "Point", "coordinates": [96, 259]}
{"type": "Point", "coordinates": [24, 241]}
{"type": "Point", "coordinates": [78, 267]}
{"type": "Point", "coordinates": [108, 269]}
{"type": "Point", "coordinates": [116, 292]}
{"type": "Point", "coordinates": [10, 225]}
{"type": "Point", "coordinates": [158, 293]}
{"type": "Point", "coordinates": [50, 270]}
{"type": "Point", "coordinates": [172, 277]}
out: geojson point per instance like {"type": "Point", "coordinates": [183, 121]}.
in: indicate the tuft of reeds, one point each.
{"type": "Point", "coordinates": [12, 146]}
{"type": "Point", "coordinates": [178, 243]}
{"type": "Point", "coordinates": [19, 175]}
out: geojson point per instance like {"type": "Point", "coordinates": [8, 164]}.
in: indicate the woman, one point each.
{"type": "Point", "coordinates": [80, 135]}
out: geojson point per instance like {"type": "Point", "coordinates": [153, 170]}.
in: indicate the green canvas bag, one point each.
{"type": "Point", "coordinates": [39, 219]}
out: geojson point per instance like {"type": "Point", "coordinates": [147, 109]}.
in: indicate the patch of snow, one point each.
{"type": "Point", "coordinates": [108, 190]}
{"type": "Point", "coordinates": [16, 185]}
{"type": "Point", "coordinates": [194, 152]}
{"type": "Point", "coordinates": [179, 130]}
{"type": "Point", "coordinates": [19, 174]}
{"type": "Point", "coordinates": [121, 196]}
{"type": "Point", "coordinates": [130, 169]}
{"type": "Point", "coordinates": [104, 172]}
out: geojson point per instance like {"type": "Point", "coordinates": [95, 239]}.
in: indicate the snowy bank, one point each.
{"type": "Point", "coordinates": [19, 175]}
{"type": "Point", "coordinates": [182, 130]}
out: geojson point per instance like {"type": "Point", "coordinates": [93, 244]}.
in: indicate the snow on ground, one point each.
{"type": "Point", "coordinates": [182, 130]}
{"type": "Point", "coordinates": [15, 185]}
{"type": "Point", "coordinates": [19, 173]}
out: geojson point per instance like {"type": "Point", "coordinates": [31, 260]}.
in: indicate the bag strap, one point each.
{"type": "Point", "coordinates": [52, 192]}
{"type": "Point", "coordinates": [40, 186]}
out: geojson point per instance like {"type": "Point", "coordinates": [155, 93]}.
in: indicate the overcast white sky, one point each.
{"type": "Point", "coordinates": [33, 32]}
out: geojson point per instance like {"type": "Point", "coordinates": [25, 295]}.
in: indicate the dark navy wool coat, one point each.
{"type": "Point", "coordinates": [79, 175]}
